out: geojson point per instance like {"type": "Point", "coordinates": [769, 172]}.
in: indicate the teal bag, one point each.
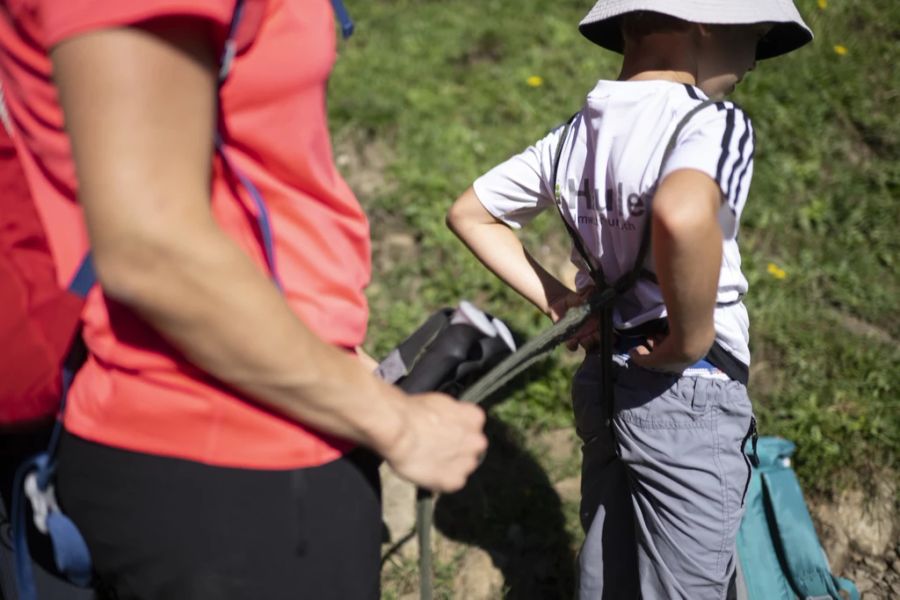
{"type": "Point", "coordinates": [779, 554]}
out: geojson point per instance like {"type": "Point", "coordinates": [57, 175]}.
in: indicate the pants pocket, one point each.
{"type": "Point", "coordinates": [750, 437]}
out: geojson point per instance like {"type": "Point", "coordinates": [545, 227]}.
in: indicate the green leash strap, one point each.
{"type": "Point", "coordinates": [424, 519]}
{"type": "Point", "coordinates": [537, 347]}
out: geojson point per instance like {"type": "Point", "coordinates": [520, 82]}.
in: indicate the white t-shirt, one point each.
{"type": "Point", "coordinates": [608, 173]}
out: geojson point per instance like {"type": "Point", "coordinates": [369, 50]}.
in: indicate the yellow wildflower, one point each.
{"type": "Point", "coordinates": [840, 50]}
{"type": "Point", "coordinates": [535, 81]}
{"type": "Point", "coordinates": [823, 4]}
{"type": "Point", "coordinates": [776, 271]}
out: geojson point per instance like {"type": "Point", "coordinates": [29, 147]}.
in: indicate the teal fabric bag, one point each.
{"type": "Point", "coordinates": [779, 553]}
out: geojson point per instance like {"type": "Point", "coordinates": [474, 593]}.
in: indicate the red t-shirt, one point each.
{"type": "Point", "coordinates": [135, 391]}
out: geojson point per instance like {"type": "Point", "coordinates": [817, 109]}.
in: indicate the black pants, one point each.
{"type": "Point", "coordinates": [164, 528]}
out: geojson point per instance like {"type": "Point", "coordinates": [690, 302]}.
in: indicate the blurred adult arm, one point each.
{"type": "Point", "coordinates": [140, 109]}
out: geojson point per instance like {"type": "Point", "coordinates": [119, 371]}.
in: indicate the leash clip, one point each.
{"type": "Point", "coordinates": [43, 501]}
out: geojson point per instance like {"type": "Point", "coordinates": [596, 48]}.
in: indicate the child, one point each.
{"type": "Point", "coordinates": [663, 486]}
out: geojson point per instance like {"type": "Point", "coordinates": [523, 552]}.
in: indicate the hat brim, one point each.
{"type": "Point", "coordinates": [781, 39]}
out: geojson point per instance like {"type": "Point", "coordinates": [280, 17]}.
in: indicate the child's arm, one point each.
{"type": "Point", "coordinates": [687, 249]}
{"type": "Point", "coordinates": [500, 250]}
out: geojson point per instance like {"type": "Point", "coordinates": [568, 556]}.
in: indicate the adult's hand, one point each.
{"type": "Point", "coordinates": [440, 444]}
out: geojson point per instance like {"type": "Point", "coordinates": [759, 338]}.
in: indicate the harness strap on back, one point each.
{"type": "Point", "coordinates": [626, 281]}
{"type": "Point", "coordinates": [600, 302]}
{"type": "Point", "coordinates": [593, 267]}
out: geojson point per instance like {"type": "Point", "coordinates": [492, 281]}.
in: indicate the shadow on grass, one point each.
{"type": "Point", "coordinates": [510, 509]}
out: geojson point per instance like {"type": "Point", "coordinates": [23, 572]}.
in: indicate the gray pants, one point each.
{"type": "Point", "coordinates": [662, 499]}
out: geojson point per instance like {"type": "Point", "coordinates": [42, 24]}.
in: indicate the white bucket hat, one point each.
{"type": "Point", "coordinates": [601, 25]}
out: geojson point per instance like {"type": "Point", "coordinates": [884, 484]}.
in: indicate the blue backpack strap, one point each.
{"type": "Point", "coordinates": [344, 17]}
{"type": "Point", "coordinates": [84, 278]}
{"type": "Point", "coordinates": [791, 528]}
{"type": "Point", "coordinates": [805, 563]}
{"type": "Point", "coordinates": [778, 550]}
{"type": "Point", "coordinates": [756, 548]}
{"type": "Point", "coordinates": [263, 220]}
{"type": "Point", "coordinates": [847, 586]}
{"type": "Point", "coordinates": [81, 284]}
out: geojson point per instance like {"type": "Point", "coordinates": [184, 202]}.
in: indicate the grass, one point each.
{"type": "Point", "coordinates": [444, 86]}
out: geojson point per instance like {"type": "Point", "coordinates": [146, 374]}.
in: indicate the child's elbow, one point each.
{"type": "Point", "coordinates": [466, 211]}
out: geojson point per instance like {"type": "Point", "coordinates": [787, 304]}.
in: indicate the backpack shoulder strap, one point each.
{"type": "Point", "coordinates": [596, 271]}
{"type": "Point", "coordinates": [628, 280]}
{"type": "Point", "coordinates": [593, 267]}
{"type": "Point", "coordinates": [343, 16]}
{"type": "Point", "coordinates": [803, 558]}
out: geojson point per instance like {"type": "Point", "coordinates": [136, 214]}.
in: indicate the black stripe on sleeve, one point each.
{"type": "Point", "coordinates": [743, 176]}
{"type": "Point", "coordinates": [726, 142]}
{"type": "Point", "coordinates": [691, 91]}
{"type": "Point", "coordinates": [742, 143]}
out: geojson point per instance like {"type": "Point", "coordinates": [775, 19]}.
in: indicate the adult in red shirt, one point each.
{"type": "Point", "coordinates": [210, 436]}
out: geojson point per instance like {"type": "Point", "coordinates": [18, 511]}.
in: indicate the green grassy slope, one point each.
{"type": "Point", "coordinates": [444, 88]}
